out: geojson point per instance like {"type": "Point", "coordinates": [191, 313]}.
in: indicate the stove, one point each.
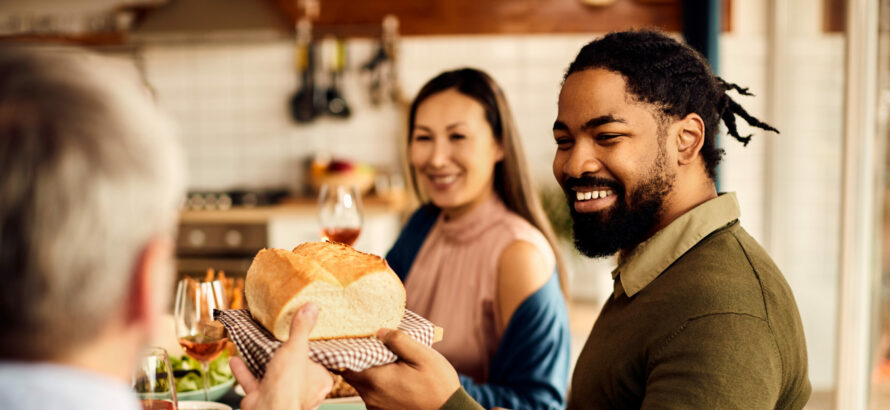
{"type": "Point", "coordinates": [223, 200]}
{"type": "Point", "coordinates": [217, 245]}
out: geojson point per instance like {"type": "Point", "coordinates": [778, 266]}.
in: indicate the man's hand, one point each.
{"type": "Point", "coordinates": [292, 381]}
{"type": "Point", "coordinates": [421, 379]}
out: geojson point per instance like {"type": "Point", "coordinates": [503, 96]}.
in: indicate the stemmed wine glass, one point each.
{"type": "Point", "coordinates": [202, 338]}
{"type": "Point", "coordinates": [340, 213]}
{"type": "Point", "coordinates": [153, 381]}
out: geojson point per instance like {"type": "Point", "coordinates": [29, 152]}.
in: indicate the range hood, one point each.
{"type": "Point", "coordinates": [61, 18]}
{"type": "Point", "coordinates": [212, 20]}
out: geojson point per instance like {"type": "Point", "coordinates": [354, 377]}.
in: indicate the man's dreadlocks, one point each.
{"type": "Point", "coordinates": [675, 78]}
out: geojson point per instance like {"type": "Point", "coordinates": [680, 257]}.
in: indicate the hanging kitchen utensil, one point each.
{"type": "Point", "coordinates": [390, 44]}
{"type": "Point", "coordinates": [381, 71]}
{"type": "Point", "coordinates": [303, 106]}
{"type": "Point", "coordinates": [373, 72]}
{"type": "Point", "coordinates": [335, 103]}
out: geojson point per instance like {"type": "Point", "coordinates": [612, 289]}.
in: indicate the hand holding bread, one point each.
{"type": "Point", "coordinates": [292, 381]}
{"type": "Point", "coordinates": [421, 379]}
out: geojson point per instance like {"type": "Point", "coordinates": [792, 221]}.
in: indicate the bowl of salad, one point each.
{"type": "Point", "coordinates": [187, 372]}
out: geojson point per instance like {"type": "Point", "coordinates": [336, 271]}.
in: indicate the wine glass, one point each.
{"type": "Point", "coordinates": [202, 338]}
{"type": "Point", "coordinates": [153, 381]}
{"type": "Point", "coordinates": [340, 213]}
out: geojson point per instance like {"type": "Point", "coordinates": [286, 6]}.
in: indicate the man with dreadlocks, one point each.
{"type": "Point", "coordinates": [700, 316]}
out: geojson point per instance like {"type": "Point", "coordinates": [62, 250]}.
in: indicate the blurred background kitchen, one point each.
{"type": "Point", "coordinates": [273, 98]}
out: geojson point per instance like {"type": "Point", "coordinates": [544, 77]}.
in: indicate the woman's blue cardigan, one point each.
{"type": "Point", "coordinates": [530, 368]}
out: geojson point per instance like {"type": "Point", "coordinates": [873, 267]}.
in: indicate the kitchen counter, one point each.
{"type": "Point", "coordinates": [300, 207]}
{"type": "Point", "coordinates": [285, 225]}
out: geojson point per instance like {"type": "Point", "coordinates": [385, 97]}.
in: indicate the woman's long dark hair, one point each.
{"type": "Point", "coordinates": [512, 180]}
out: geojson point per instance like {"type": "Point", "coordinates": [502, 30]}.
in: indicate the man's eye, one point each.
{"type": "Point", "coordinates": [457, 136]}
{"type": "Point", "coordinates": [606, 137]}
{"type": "Point", "coordinates": [564, 143]}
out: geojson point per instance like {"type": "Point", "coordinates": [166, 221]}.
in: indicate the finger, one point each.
{"type": "Point", "coordinates": [303, 322]}
{"type": "Point", "coordinates": [404, 346]}
{"type": "Point", "coordinates": [243, 375]}
{"type": "Point", "coordinates": [359, 380]}
{"type": "Point", "coordinates": [247, 403]}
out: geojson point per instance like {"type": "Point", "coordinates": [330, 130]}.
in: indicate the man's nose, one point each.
{"type": "Point", "coordinates": [583, 159]}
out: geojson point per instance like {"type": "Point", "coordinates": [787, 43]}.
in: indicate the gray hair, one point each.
{"type": "Point", "coordinates": [90, 173]}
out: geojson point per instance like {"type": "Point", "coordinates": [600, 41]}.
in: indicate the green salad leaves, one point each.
{"type": "Point", "coordinates": [219, 372]}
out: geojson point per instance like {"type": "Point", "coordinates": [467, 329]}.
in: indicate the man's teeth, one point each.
{"type": "Point", "coordinates": [585, 196]}
{"type": "Point", "coordinates": [444, 180]}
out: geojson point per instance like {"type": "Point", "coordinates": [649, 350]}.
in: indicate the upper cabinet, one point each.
{"type": "Point", "coordinates": [449, 17]}
{"type": "Point", "coordinates": [135, 21]}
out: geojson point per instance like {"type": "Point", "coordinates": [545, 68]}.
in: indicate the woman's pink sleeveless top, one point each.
{"type": "Point", "coordinates": [453, 281]}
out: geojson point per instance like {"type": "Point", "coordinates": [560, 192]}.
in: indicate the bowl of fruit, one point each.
{"type": "Point", "coordinates": [339, 171]}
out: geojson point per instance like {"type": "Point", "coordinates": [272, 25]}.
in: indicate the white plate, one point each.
{"type": "Point", "coordinates": [202, 405]}
{"type": "Point", "coordinates": [341, 400]}
{"type": "Point", "coordinates": [343, 403]}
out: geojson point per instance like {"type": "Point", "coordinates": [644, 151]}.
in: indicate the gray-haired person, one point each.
{"type": "Point", "coordinates": [90, 181]}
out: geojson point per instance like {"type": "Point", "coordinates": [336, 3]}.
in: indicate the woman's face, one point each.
{"type": "Point", "coordinates": [453, 151]}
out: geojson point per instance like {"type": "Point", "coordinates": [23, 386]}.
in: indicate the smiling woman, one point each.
{"type": "Point", "coordinates": [478, 259]}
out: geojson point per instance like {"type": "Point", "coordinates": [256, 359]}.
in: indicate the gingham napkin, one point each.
{"type": "Point", "coordinates": [257, 345]}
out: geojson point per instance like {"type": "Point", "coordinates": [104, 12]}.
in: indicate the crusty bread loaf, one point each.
{"type": "Point", "coordinates": [340, 388]}
{"type": "Point", "coordinates": [356, 293]}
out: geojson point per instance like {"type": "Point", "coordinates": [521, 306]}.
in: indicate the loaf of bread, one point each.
{"type": "Point", "coordinates": [340, 388]}
{"type": "Point", "coordinates": [356, 293]}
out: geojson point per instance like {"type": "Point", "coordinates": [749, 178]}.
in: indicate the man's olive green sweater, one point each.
{"type": "Point", "coordinates": [700, 318]}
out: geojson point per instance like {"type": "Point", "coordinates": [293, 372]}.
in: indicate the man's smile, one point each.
{"type": "Point", "coordinates": [593, 199]}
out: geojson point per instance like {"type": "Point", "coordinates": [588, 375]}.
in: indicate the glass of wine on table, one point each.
{"type": "Point", "coordinates": [202, 338]}
{"type": "Point", "coordinates": [153, 381]}
{"type": "Point", "coordinates": [340, 213]}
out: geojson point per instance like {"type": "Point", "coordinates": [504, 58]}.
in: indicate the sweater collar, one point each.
{"type": "Point", "coordinates": [651, 257]}
{"type": "Point", "coordinates": [470, 225]}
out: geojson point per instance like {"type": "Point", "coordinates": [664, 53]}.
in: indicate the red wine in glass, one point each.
{"type": "Point", "coordinates": [342, 235]}
{"type": "Point", "coordinates": [149, 404]}
{"type": "Point", "coordinates": [195, 326]}
{"type": "Point", "coordinates": [202, 348]}
{"type": "Point", "coordinates": [340, 213]}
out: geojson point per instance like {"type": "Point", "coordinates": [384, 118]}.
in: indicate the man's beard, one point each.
{"type": "Point", "coordinates": [629, 221]}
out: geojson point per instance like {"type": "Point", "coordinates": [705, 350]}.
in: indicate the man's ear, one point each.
{"type": "Point", "coordinates": [690, 138]}
{"type": "Point", "coordinates": [150, 284]}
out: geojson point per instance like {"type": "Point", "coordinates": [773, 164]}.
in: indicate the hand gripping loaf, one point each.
{"type": "Point", "coordinates": [356, 293]}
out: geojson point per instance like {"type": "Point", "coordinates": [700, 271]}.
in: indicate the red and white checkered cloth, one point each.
{"type": "Point", "coordinates": [257, 345]}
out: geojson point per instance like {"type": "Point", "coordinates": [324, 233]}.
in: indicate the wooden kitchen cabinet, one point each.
{"type": "Point", "coordinates": [450, 17]}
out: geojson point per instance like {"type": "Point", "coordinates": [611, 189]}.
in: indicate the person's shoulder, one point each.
{"type": "Point", "coordinates": [522, 270]}
{"type": "Point", "coordinates": [424, 214]}
{"type": "Point", "coordinates": [733, 256]}
{"type": "Point", "coordinates": [725, 252]}
{"type": "Point", "coordinates": [727, 272]}
{"type": "Point", "coordinates": [517, 228]}
{"type": "Point", "coordinates": [715, 276]}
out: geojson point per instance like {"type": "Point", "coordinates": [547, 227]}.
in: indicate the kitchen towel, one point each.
{"type": "Point", "coordinates": [257, 345]}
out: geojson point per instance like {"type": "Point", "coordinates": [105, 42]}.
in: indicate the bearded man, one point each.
{"type": "Point", "coordinates": [700, 316]}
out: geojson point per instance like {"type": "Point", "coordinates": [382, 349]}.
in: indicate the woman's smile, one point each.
{"type": "Point", "coordinates": [442, 182]}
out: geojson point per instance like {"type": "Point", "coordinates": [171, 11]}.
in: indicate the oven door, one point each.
{"type": "Point", "coordinates": [229, 247]}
